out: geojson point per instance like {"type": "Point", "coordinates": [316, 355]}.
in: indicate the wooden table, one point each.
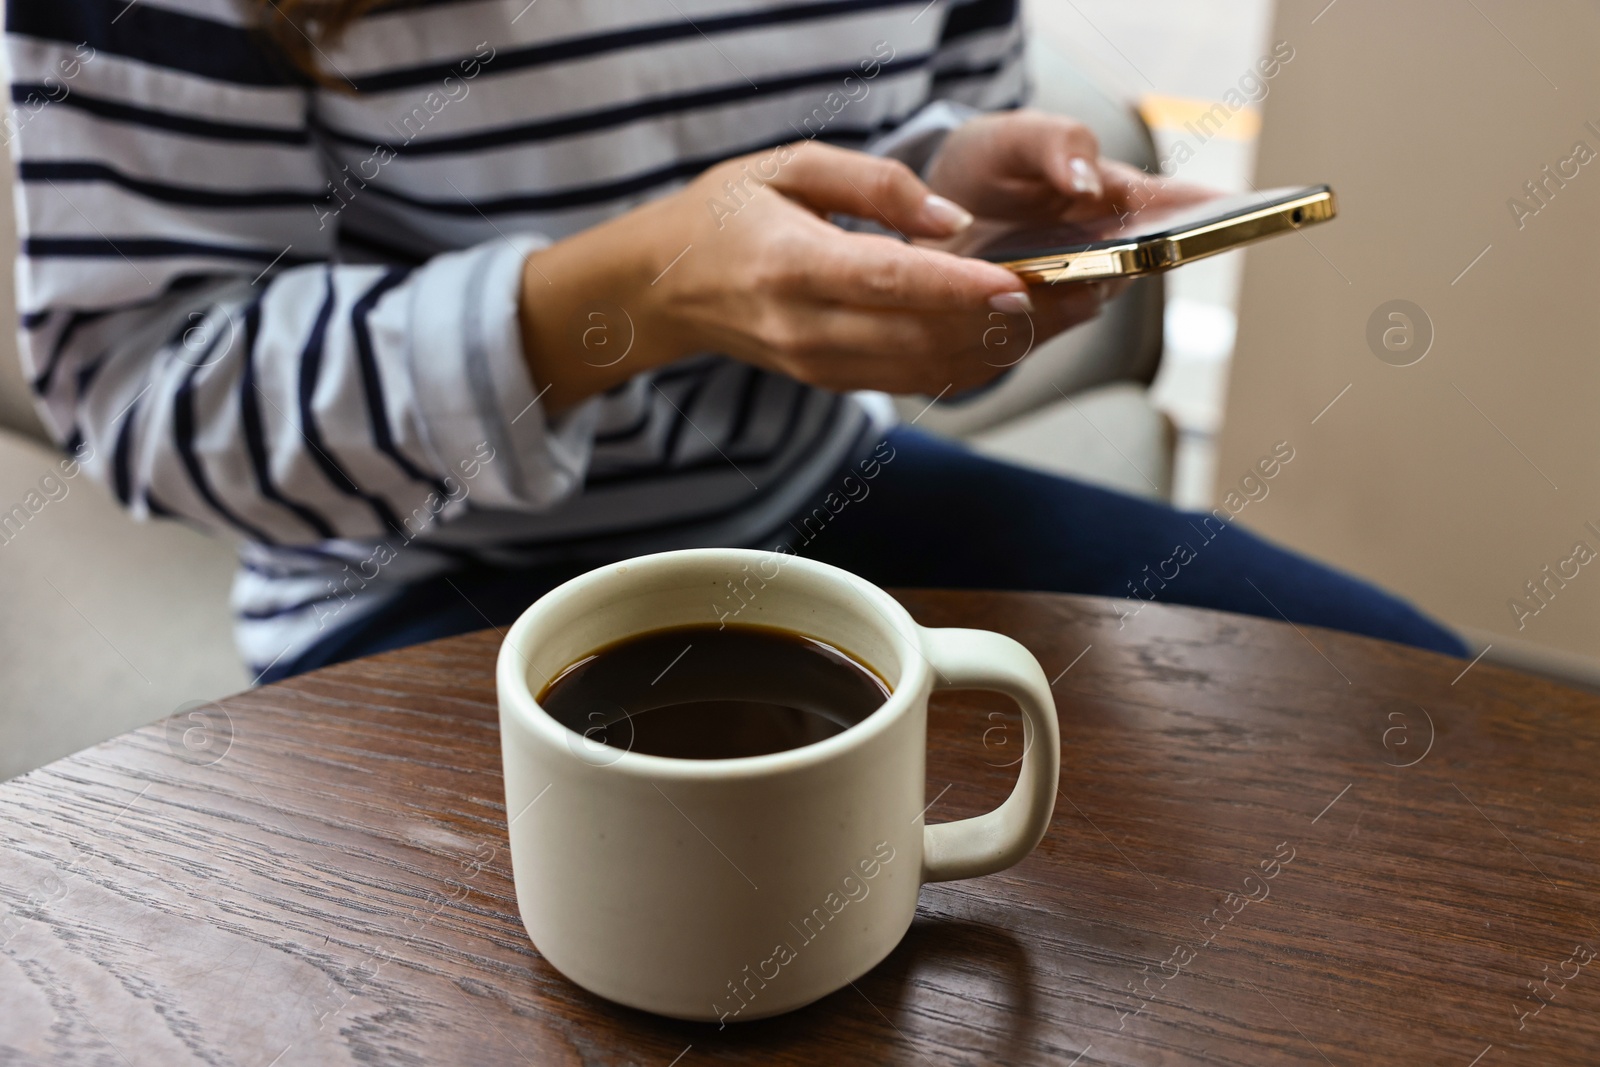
{"type": "Point", "coordinates": [316, 872]}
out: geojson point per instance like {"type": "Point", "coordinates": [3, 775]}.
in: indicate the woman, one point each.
{"type": "Point", "coordinates": [416, 300]}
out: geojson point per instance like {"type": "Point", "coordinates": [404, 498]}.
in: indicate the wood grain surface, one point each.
{"type": "Point", "coordinates": [1272, 846]}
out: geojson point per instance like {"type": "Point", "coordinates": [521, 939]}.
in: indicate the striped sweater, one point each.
{"type": "Point", "coordinates": [289, 313]}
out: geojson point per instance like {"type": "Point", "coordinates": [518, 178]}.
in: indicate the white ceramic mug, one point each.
{"type": "Point", "coordinates": [735, 889]}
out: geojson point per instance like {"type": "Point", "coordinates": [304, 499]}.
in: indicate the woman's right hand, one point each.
{"type": "Point", "coordinates": [743, 261]}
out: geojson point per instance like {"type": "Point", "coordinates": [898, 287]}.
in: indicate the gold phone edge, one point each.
{"type": "Point", "coordinates": [1134, 260]}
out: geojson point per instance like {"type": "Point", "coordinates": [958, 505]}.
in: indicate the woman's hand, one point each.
{"type": "Point", "coordinates": [1031, 166]}
{"type": "Point", "coordinates": [1021, 166]}
{"type": "Point", "coordinates": [743, 261]}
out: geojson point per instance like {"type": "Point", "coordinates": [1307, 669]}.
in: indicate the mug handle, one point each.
{"type": "Point", "coordinates": [967, 848]}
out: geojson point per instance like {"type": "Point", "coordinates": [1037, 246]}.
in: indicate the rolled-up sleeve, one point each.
{"type": "Point", "coordinates": [470, 383]}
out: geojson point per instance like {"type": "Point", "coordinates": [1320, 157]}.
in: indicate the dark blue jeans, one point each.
{"type": "Point", "coordinates": [934, 514]}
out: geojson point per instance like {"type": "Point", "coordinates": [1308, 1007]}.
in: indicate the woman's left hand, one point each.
{"type": "Point", "coordinates": [1031, 166]}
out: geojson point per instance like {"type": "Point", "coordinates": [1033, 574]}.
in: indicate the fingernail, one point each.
{"type": "Point", "coordinates": [1085, 179]}
{"type": "Point", "coordinates": [1017, 303]}
{"type": "Point", "coordinates": [946, 213]}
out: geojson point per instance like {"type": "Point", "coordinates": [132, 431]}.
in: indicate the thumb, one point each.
{"type": "Point", "coordinates": [828, 179]}
{"type": "Point", "coordinates": [1071, 174]}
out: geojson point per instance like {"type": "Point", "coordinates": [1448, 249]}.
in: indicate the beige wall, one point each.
{"type": "Point", "coordinates": [1426, 119]}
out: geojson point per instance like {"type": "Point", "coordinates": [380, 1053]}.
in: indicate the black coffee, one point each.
{"type": "Point", "coordinates": [699, 692]}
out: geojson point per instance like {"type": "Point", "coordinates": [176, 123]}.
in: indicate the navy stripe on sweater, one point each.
{"type": "Point", "coordinates": [589, 45]}
{"type": "Point", "coordinates": [101, 247]}
{"type": "Point", "coordinates": [372, 381]}
{"type": "Point", "coordinates": [599, 119]}
{"type": "Point", "coordinates": [255, 432]}
{"type": "Point", "coordinates": [310, 371]}
{"type": "Point", "coordinates": [75, 170]}
{"type": "Point", "coordinates": [154, 119]}
{"type": "Point", "coordinates": [155, 35]}
{"type": "Point", "coordinates": [184, 422]}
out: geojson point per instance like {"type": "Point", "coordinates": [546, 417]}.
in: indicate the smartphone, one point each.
{"type": "Point", "coordinates": [1152, 240]}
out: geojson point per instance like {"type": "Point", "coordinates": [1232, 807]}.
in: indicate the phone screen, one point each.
{"type": "Point", "coordinates": [1146, 224]}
